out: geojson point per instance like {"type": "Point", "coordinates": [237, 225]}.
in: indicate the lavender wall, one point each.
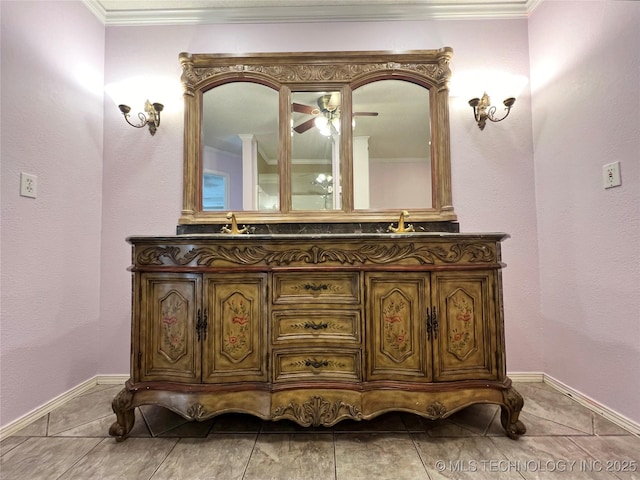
{"type": "Point", "coordinates": [493, 181]}
{"type": "Point", "coordinates": [585, 76]}
{"type": "Point", "coordinates": [52, 122]}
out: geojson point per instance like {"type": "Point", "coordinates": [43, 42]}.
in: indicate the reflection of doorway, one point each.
{"type": "Point", "coordinates": [215, 191]}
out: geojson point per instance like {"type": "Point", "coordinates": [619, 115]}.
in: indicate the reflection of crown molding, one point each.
{"type": "Point", "coordinates": [399, 160]}
{"type": "Point", "coordinates": [268, 161]}
{"type": "Point", "coordinates": [301, 161]}
{"type": "Point", "coordinates": [112, 13]}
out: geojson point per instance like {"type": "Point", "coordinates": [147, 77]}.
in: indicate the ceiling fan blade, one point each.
{"type": "Point", "coordinates": [308, 109]}
{"type": "Point", "coordinates": [303, 127]}
{"type": "Point", "coordinates": [366, 114]}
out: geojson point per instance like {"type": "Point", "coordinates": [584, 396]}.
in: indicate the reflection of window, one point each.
{"type": "Point", "coordinates": [215, 190]}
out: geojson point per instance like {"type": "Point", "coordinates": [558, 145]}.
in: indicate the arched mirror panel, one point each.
{"type": "Point", "coordinates": [391, 146]}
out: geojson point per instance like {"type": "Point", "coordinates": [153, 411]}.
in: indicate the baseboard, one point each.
{"type": "Point", "coordinates": [111, 379]}
{"type": "Point", "coordinates": [593, 405]}
{"type": "Point", "coordinates": [59, 401]}
{"type": "Point", "coordinates": [528, 377]}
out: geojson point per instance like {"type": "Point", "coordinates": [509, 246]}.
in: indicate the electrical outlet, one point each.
{"type": "Point", "coordinates": [611, 175]}
{"type": "Point", "coordinates": [28, 185]}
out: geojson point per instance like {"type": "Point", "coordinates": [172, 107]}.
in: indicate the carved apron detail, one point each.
{"type": "Point", "coordinates": [318, 411]}
{"type": "Point", "coordinates": [173, 308]}
{"type": "Point", "coordinates": [196, 411]}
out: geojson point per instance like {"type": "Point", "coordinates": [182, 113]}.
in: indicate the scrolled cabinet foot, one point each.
{"type": "Point", "coordinates": [122, 406]}
{"type": "Point", "coordinates": [511, 408]}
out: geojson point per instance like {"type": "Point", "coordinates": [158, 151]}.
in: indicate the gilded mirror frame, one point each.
{"type": "Point", "coordinates": [289, 72]}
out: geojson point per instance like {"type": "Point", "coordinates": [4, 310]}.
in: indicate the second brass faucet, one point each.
{"type": "Point", "coordinates": [234, 230]}
{"type": "Point", "coordinates": [401, 226]}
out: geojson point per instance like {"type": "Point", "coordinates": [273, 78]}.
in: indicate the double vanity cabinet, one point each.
{"type": "Point", "coordinates": [317, 328]}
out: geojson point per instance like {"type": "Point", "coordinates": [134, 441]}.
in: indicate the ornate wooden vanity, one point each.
{"type": "Point", "coordinates": [314, 313]}
{"type": "Point", "coordinates": [317, 328]}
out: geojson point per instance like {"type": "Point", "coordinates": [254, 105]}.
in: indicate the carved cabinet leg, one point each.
{"type": "Point", "coordinates": [122, 406]}
{"type": "Point", "coordinates": [513, 403]}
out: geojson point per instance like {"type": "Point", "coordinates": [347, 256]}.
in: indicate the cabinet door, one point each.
{"type": "Point", "coordinates": [234, 347]}
{"type": "Point", "coordinates": [465, 342]}
{"type": "Point", "coordinates": [396, 326]}
{"type": "Point", "coordinates": [167, 345]}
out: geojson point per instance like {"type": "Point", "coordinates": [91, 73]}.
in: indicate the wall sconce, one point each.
{"type": "Point", "coordinates": [152, 117]}
{"type": "Point", "coordinates": [483, 111]}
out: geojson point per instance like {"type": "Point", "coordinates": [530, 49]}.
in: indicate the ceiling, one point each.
{"type": "Point", "coordinates": [182, 12]}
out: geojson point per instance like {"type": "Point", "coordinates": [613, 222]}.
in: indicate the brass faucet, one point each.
{"type": "Point", "coordinates": [401, 228]}
{"type": "Point", "coordinates": [234, 230]}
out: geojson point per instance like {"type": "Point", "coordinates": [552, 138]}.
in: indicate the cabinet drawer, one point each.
{"type": "Point", "coordinates": [332, 325]}
{"type": "Point", "coordinates": [316, 287]}
{"type": "Point", "coordinates": [316, 364]}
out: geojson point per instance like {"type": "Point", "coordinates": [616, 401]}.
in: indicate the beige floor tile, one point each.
{"type": "Point", "coordinates": [460, 458]}
{"type": "Point", "coordinates": [222, 456]}
{"type": "Point", "coordinates": [617, 454]}
{"type": "Point", "coordinates": [379, 456]}
{"type": "Point", "coordinates": [543, 427]}
{"type": "Point", "coordinates": [477, 418]}
{"type": "Point", "coordinates": [557, 407]}
{"type": "Point", "coordinates": [546, 458]}
{"type": "Point", "coordinates": [36, 429]}
{"type": "Point", "coordinates": [133, 459]}
{"type": "Point", "coordinates": [602, 426]}
{"type": "Point", "coordinates": [161, 420]}
{"type": "Point", "coordinates": [292, 456]}
{"type": "Point", "coordinates": [83, 409]}
{"type": "Point", "coordinates": [44, 457]}
{"type": "Point", "coordinates": [10, 443]}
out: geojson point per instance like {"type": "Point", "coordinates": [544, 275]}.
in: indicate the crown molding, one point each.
{"type": "Point", "coordinates": [111, 13]}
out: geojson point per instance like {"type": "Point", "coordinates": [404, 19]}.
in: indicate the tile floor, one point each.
{"type": "Point", "coordinates": [564, 441]}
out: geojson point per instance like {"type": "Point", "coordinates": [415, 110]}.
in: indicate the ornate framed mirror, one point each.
{"type": "Point", "coordinates": [333, 137]}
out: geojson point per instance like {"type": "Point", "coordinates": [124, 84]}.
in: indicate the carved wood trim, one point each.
{"type": "Point", "coordinates": [318, 411]}
{"type": "Point", "coordinates": [471, 252]}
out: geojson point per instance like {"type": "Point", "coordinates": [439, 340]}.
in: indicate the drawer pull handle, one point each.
{"type": "Point", "coordinates": [316, 326]}
{"type": "Point", "coordinates": [316, 288]}
{"type": "Point", "coordinates": [316, 363]}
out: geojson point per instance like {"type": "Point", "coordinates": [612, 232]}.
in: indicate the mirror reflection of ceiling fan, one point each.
{"type": "Point", "coordinates": [326, 114]}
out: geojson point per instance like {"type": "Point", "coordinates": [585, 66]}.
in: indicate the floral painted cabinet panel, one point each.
{"type": "Point", "coordinates": [397, 321]}
{"type": "Point", "coordinates": [236, 346]}
{"type": "Point", "coordinates": [466, 341]}
{"type": "Point", "coordinates": [166, 332]}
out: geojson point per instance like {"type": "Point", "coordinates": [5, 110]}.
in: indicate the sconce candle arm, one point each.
{"type": "Point", "coordinates": [483, 110]}
{"type": "Point", "coordinates": [151, 118]}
